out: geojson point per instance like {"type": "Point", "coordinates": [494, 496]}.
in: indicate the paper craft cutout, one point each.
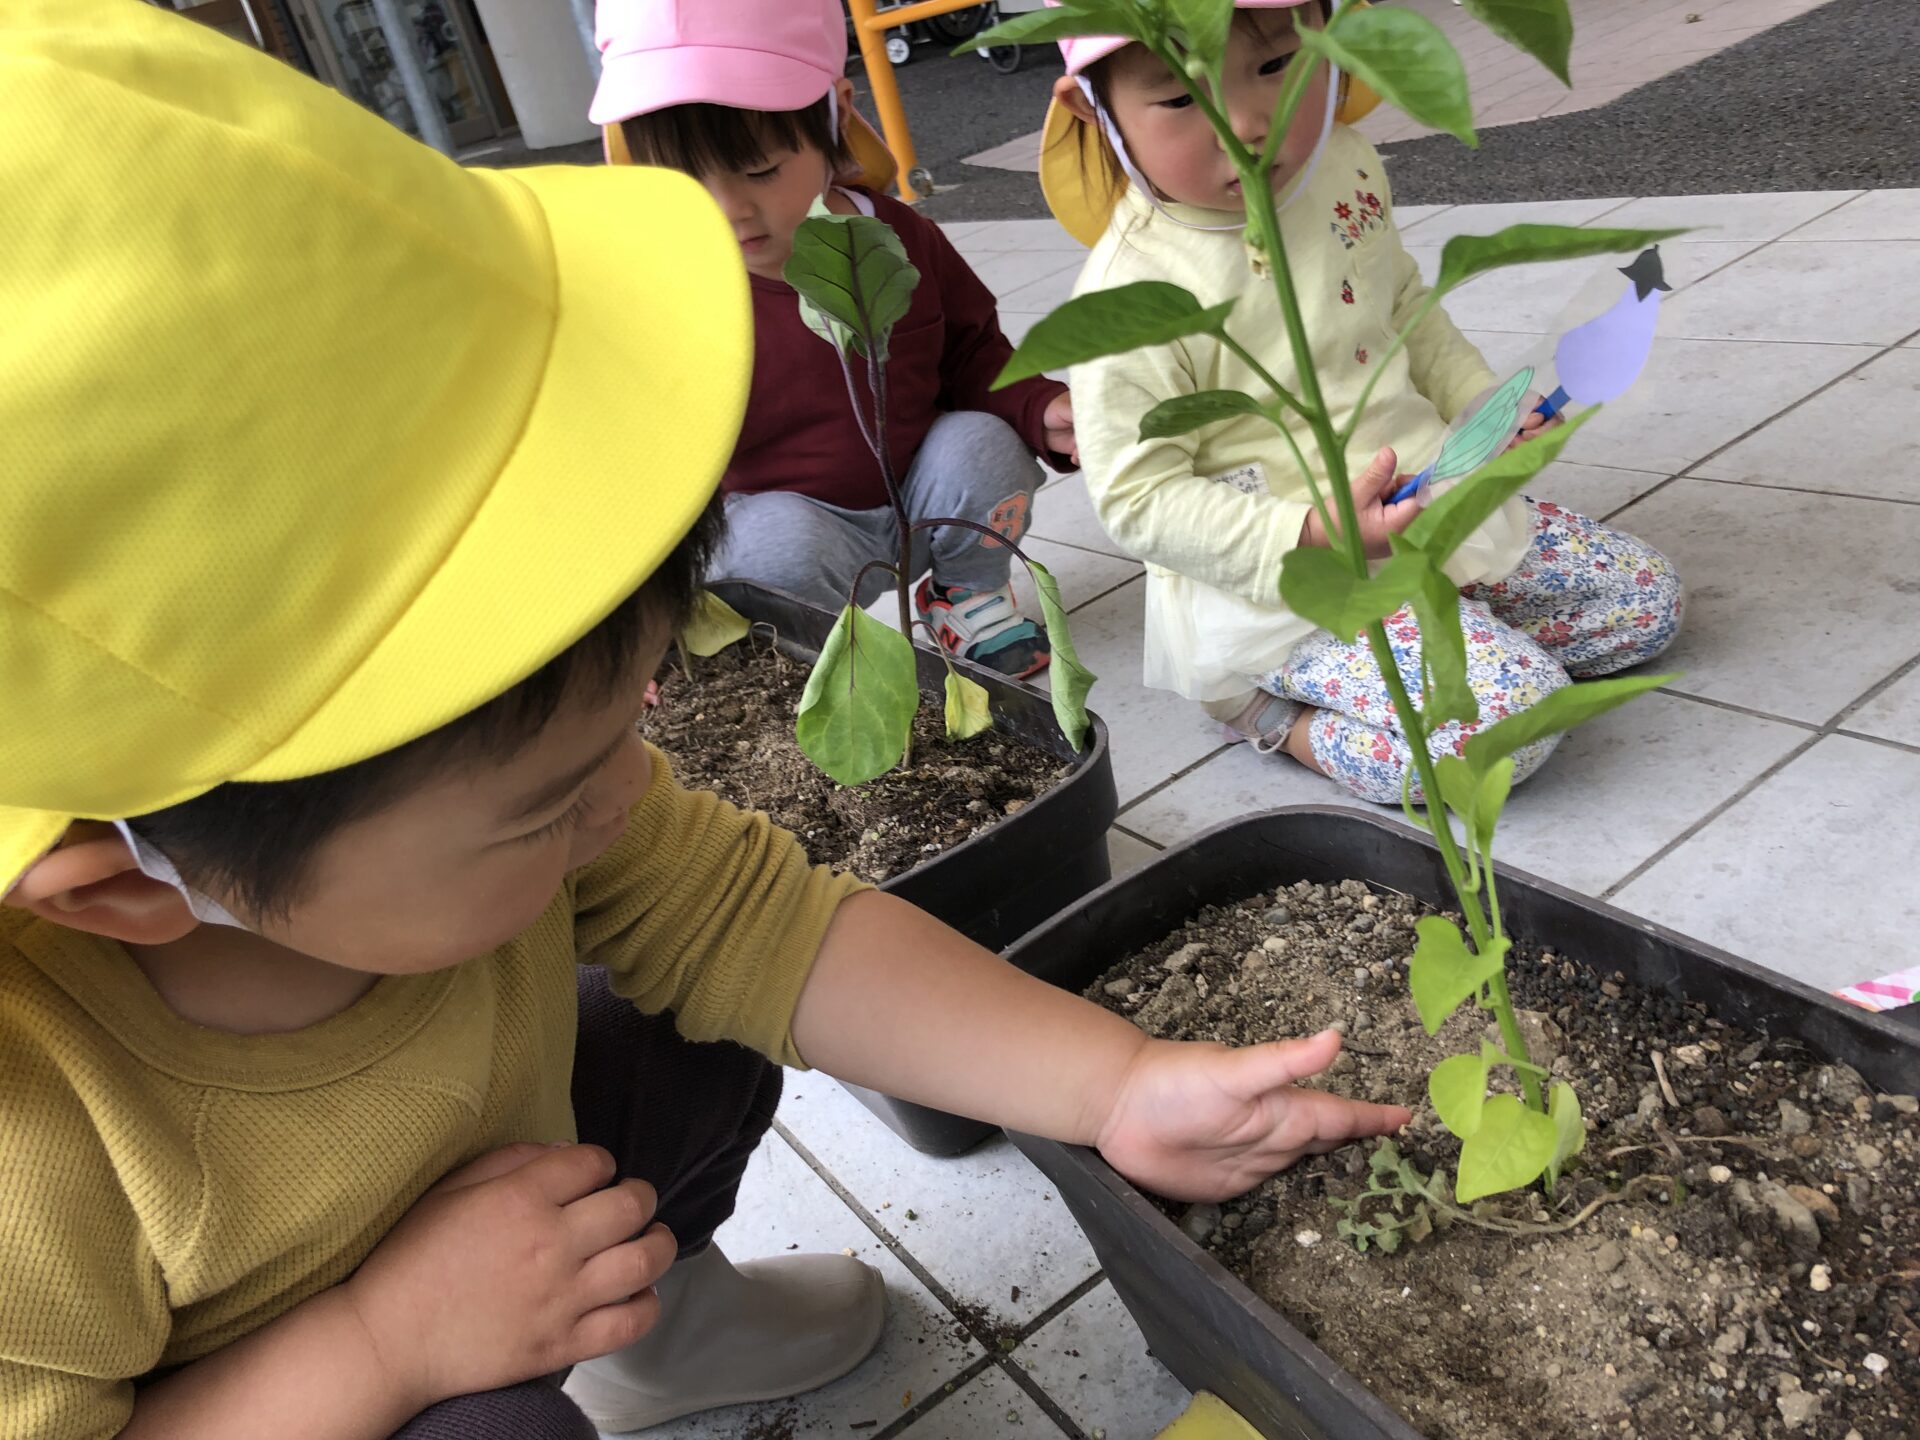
{"type": "Point", "coordinates": [1596, 362]}
{"type": "Point", "coordinates": [1889, 992]}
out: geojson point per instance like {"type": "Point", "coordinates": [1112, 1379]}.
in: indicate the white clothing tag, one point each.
{"type": "Point", "coordinates": [1249, 479]}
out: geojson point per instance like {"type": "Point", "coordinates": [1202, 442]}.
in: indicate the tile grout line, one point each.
{"type": "Point", "coordinates": [939, 1291]}
{"type": "Point", "coordinates": [1178, 775]}
{"type": "Point", "coordinates": [1769, 243]}
{"type": "Point", "coordinates": [1874, 692]}
{"type": "Point", "coordinates": [1712, 815]}
{"type": "Point", "coordinates": [1802, 490]}
{"type": "Point", "coordinates": [1136, 835]}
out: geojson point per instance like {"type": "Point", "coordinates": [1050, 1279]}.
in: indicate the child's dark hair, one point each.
{"type": "Point", "coordinates": [254, 841]}
{"type": "Point", "coordinates": [700, 139]}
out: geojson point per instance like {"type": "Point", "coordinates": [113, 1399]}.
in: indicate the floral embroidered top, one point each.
{"type": "Point", "coordinates": [1212, 512]}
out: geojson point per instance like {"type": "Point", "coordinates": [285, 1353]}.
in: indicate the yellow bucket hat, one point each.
{"type": "Point", "coordinates": [310, 440]}
{"type": "Point", "coordinates": [1078, 176]}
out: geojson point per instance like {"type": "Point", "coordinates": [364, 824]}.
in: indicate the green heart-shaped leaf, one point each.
{"type": "Point", "coordinates": [1510, 1148]}
{"type": "Point", "coordinates": [1569, 1130]}
{"type": "Point", "coordinates": [1458, 1089]}
{"type": "Point", "coordinates": [1444, 972]}
{"type": "Point", "coordinates": [857, 710]}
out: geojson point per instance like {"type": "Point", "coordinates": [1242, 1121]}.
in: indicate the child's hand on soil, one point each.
{"type": "Point", "coordinates": [1058, 422]}
{"type": "Point", "coordinates": [1378, 519]}
{"type": "Point", "coordinates": [519, 1264]}
{"type": "Point", "coordinates": [1199, 1121]}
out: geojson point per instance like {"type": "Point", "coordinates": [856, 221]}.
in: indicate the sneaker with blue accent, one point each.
{"type": "Point", "coordinates": [984, 626]}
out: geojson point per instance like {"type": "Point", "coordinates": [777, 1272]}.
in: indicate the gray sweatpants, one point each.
{"type": "Point", "coordinates": [971, 465]}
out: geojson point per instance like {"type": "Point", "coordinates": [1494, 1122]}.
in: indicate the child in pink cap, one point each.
{"type": "Point", "coordinates": [747, 96]}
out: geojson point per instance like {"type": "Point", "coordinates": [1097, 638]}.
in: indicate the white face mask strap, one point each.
{"type": "Point", "coordinates": [156, 866]}
{"type": "Point", "coordinates": [1133, 173]}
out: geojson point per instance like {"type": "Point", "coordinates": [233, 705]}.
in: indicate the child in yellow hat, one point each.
{"type": "Point", "coordinates": [356, 957]}
{"type": "Point", "coordinates": [749, 98]}
{"type": "Point", "coordinates": [1132, 168]}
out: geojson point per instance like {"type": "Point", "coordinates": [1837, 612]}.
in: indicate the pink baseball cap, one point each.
{"type": "Point", "coordinates": [747, 54]}
{"type": "Point", "coordinates": [1080, 51]}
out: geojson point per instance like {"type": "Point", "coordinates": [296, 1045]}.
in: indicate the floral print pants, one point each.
{"type": "Point", "coordinates": [1585, 601]}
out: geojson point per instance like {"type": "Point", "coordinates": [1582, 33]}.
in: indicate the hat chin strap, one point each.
{"type": "Point", "coordinates": [1140, 182]}
{"type": "Point", "coordinates": [156, 866]}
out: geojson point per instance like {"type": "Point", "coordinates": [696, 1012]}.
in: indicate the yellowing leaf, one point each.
{"type": "Point", "coordinates": [713, 626]}
{"type": "Point", "coordinates": [967, 713]}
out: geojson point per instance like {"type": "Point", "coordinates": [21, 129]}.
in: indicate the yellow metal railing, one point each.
{"type": "Point", "coordinates": [870, 26]}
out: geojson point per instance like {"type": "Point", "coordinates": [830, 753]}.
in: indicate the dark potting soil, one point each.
{"type": "Point", "coordinates": [1759, 1275]}
{"type": "Point", "coordinates": [730, 730]}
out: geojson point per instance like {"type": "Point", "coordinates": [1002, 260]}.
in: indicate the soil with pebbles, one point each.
{"type": "Point", "coordinates": [730, 730]}
{"type": "Point", "coordinates": [1761, 1279]}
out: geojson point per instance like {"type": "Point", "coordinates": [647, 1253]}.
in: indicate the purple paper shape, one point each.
{"type": "Point", "coordinates": [1597, 361]}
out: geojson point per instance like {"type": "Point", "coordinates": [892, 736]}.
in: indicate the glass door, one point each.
{"type": "Point", "coordinates": [352, 52]}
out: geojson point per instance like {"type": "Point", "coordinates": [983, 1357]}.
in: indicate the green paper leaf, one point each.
{"type": "Point", "coordinates": [1511, 1147]}
{"type": "Point", "coordinates": [1570, 1133]}
{"type": "Point", "coordinates": [1204, 24]}
{"type": "Point", "coordinates": [1070, 679]}
{"type": "Point", "coordinates": [1189, 412]}
{"type": "Point", "coordinates": [1542, 28]}
{"type": "Point", "coordinates": [1465, 256]}
{"type": "Point", "coordinates": [1318, 586]}
{"type": "Point", "coordinates": [857, 709]}
{"type": "Point", "coordinates": [1443, 527]}
{"type": "Point", "coordinates": [1458, 1089]}
{"type": "Point", "coordinates": [1406, 58]}
{"type": "Point", "coordinates": [1111, 322]}
{"type": "Point", "coordinates": [1037, 27]}
{"type": "Point", "coordinates": [1444, 973]}
{"type": "Point", "coordinates": [713, 626]}
{"type": "Point", "coordinates": [967, 712]}
{"type": "Point", "coordinates": [851, 271]}
{"type": "Point", "coordinates": [1565, 708]}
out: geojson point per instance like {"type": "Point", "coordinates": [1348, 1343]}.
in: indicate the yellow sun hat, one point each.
{"type": "Point", "coordinates": [310, 440]}
{"type": "Point", "coordinates": [1078, 174]}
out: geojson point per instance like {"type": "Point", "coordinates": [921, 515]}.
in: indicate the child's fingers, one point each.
{"type": "Point", "coordinates": [1398, 517]}
{"type": "Point", "coordinates": [567, 1172]}
{"type": "Point", "coordinates": [1378, 476]}
{"type": "Point", "coordinates": [608, 1217]}
{"type": "Point", "coordinates": [618, 1274]}
{"type": "Point", "coordinates": [491, 1166]}
{"type": "Point", "coordinates": [1259, 1068]}
{"type": "Point", "coordinates": [613, 1327]}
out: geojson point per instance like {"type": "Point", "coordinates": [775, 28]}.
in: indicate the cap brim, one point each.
{"type": "Point", "coordinates": [1077, 176]}
{"type": "Point", "coordinates": [644, 387]}
{"type": "Point", "coordinates": [644, 81]}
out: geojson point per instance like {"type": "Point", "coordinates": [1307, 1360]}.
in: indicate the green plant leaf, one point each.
{"type": "Point", "coordinates": [1459, 786]}
{"type": "Point", "coordinates": [1570, 1134]}
{"type": "Point", "coordinates": [857, 709]}
{"type": "Point", "coordinates": [1444, 972]}
{"type": "Point", "coordinates": [1458, 1089]}
{"type": "Point", "coordinates": [1318, 586]}
{"type": "Point", "coordinates": [852, 270]}
{"type": "Point", "coordinates": [1069, 678]}
{"type": "Point", "coordinates": [1204, 25]}
{"type": "Point", "coordinates": [967, 712]}
{"type": "Point", "coordinates": [1036, 27]}
{"type": "Point", "coordinates": [1112, 322]}
{"type": "Point", "coordinates": [1565, 708]}
{"type": "Point", "coordinates": [713, 626]}
{"type": "Point", "coordinates": [1542, 28]}
{"type": "Point", "coordinates": [1494, 1055]}
{"type": "Point", "coordinates": [1510, 1149]}
{"type": "Point", "coordinates": [1465, 256]}
{"type": "Point", "coordinates": [1406, 58]}
{"type": "Point", "coordinates": [1436, 605]}
{"type": "Point", "coordinates": [1495, 785]}
{"type": "Point", "coordinates": [1189, 412]}
{"type": "Point", "coordinates": [1443, 527]}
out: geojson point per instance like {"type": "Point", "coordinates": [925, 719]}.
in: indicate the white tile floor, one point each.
{"type": "Point", "coordinates": [1753, 804]}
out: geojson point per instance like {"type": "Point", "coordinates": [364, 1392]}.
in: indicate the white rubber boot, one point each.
{"type": "Point", "coordinates": [727, 1336]}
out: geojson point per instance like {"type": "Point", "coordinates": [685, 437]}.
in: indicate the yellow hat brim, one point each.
{"type": "Point", "coordinates": [874, 164]}
{"type": "Point", "coordinates": [645, 386]}
{"type": "Point", "coordinates": [1077, 175]}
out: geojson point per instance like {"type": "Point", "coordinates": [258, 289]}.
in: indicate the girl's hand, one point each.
{"type": "Point", "coordinates": [1058, 421]}
{"type": "Point", "coordinates": [1203, 1122]}
{"type": "Point", "coordinates": [1378, 520]}
{"type": "Point", "coordinates": [517, 1265]}
{"type": "Point", "coordinates": [1532, 422]}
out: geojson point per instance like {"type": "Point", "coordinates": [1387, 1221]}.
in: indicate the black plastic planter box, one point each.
{"type": "Point", "coordinates": [996, 886]}
{"type": "Point", "coordinates": [1205, 1325]}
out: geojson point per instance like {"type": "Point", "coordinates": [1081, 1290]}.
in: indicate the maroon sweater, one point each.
{"type": "Point", "coordinates": [800, 433]}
